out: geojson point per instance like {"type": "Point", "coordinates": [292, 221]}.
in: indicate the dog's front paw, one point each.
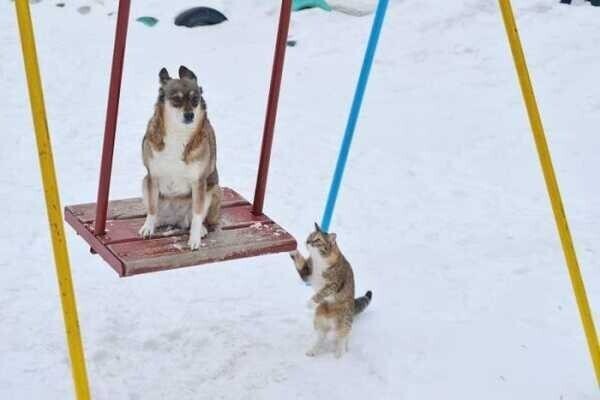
{"type": "Point", "coordinates": [149, 227]}
{"type": "Point", "coordinates": [196, 235]}
{"type": "Point", "coordinates": [194, 243]}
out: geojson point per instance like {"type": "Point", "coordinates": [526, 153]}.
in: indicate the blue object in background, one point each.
{"type": "Point", "coordinates": [354, 113]}
{"type": "Point", "coordinates": [148, 21]}
{"type": "Point", "coordinates": [298, 5]}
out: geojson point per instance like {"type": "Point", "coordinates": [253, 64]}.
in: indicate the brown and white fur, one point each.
{"type": "Point", "coordinates": [331, 276]}
{"type": "Point", "coordinates": [181, 187]}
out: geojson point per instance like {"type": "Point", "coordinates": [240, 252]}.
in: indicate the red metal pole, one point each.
{"type": "Point", "coordinates": [112, 110]}
{"type": "Point", "coordinates": [267, 141]}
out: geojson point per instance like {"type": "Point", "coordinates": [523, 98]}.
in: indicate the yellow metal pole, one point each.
{"type": "Point", "coordinates": [61, 255]}
{"type": "Point", "coordinates": [551, 184]}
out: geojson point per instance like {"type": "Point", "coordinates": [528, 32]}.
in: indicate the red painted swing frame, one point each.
{"type": "Point", "coordinates": [261, 235]}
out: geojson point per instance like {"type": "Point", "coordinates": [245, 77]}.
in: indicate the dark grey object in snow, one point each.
{"type": "Point", "coordinates": [199, 16]}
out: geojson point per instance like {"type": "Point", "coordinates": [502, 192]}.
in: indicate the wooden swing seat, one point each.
{"type": "Point", "coordinates": [111, 227]}
{"type": "Point", "coordinates": [239, 234]}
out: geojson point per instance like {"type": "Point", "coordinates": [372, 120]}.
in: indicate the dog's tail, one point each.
{"type": "Point", "coordinates": [360, 303]}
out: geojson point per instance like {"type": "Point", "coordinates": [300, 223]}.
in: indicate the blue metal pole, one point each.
{"type": "Point", "coordinates": [354, 113]}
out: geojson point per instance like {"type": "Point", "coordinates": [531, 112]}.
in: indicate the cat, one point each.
{"type": "Point", "coordinates": [331, 276]}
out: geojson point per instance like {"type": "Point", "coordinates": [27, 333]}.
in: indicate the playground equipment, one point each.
{"type": "Point", "coordinates": [111, 228]}
{"type": "Point", "coordinates": [94, 229]}
{"type": "Point", "coordinates": [542, 149]}
{"type": "Point", "coordinates": [560, 216]}
{"type": "Point", "coordinates": [359, 94]}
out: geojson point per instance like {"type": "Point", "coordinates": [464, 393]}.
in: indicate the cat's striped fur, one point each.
{"type": "Point", "coordinates": [331, 276]}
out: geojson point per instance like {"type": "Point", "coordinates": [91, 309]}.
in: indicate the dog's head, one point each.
{"type": "Point", "coordinates": [182, 98]}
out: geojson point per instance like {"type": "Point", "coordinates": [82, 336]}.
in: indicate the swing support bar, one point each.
{"type": "Point", "coordinates": [47, 167]}
{"type": "Point", "coordinates": [112, 112]}
{"type": "Point", "coordinates": [273, 100]}
{"type": "Point", "coordinates": [359, 94]}
{"type": "Point", "coordinates": [46, 160]}
{"type": "Point", "coordinates": [552, 184]}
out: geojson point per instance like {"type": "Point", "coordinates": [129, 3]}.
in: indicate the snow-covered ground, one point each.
{"type": "Point", "coordinates": [443, 212]}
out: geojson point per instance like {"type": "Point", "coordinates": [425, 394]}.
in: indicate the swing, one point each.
{"type": "Point", "coordinates": [111, 228]}
{"type": "Point", "coordinates": [119, 209]}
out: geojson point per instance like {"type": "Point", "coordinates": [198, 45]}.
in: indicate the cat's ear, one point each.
{"type": "Point", "coordinates": [332, 237]}
{"type": "Point", "coordinates": [317, 228]}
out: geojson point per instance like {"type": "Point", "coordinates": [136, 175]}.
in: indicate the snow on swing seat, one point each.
{"type": "Point", "coordinates": [239, 234]}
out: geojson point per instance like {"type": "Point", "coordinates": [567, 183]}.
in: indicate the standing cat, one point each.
{"type": "Point", "coordinates": [330, 274]}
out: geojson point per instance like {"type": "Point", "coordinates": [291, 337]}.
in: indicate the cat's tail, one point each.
{"type": "Point", "coordinates": [360, 303]}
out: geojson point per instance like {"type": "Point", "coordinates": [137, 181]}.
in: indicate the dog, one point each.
{"type": "Point", "coordinates": [179, 151]}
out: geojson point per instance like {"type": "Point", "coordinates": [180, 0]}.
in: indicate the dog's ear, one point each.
{"type": "Point", "coordinates": [163, 76]}
{"type": "Point", "coordinates": [185, 73]}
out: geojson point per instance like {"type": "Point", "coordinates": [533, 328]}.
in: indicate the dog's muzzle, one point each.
{"type": "Point", "coordinates": [188, 117]}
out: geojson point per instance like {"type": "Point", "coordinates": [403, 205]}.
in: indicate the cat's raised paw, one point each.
{"type": "Point", "coordinates": [311, 305]}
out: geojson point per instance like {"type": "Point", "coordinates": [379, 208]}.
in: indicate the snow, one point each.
{"type": "Point", "coordinates": [443, 211]}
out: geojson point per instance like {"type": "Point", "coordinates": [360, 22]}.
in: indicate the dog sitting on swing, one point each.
{"type": "Point", "coordinates": [181, 187]}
